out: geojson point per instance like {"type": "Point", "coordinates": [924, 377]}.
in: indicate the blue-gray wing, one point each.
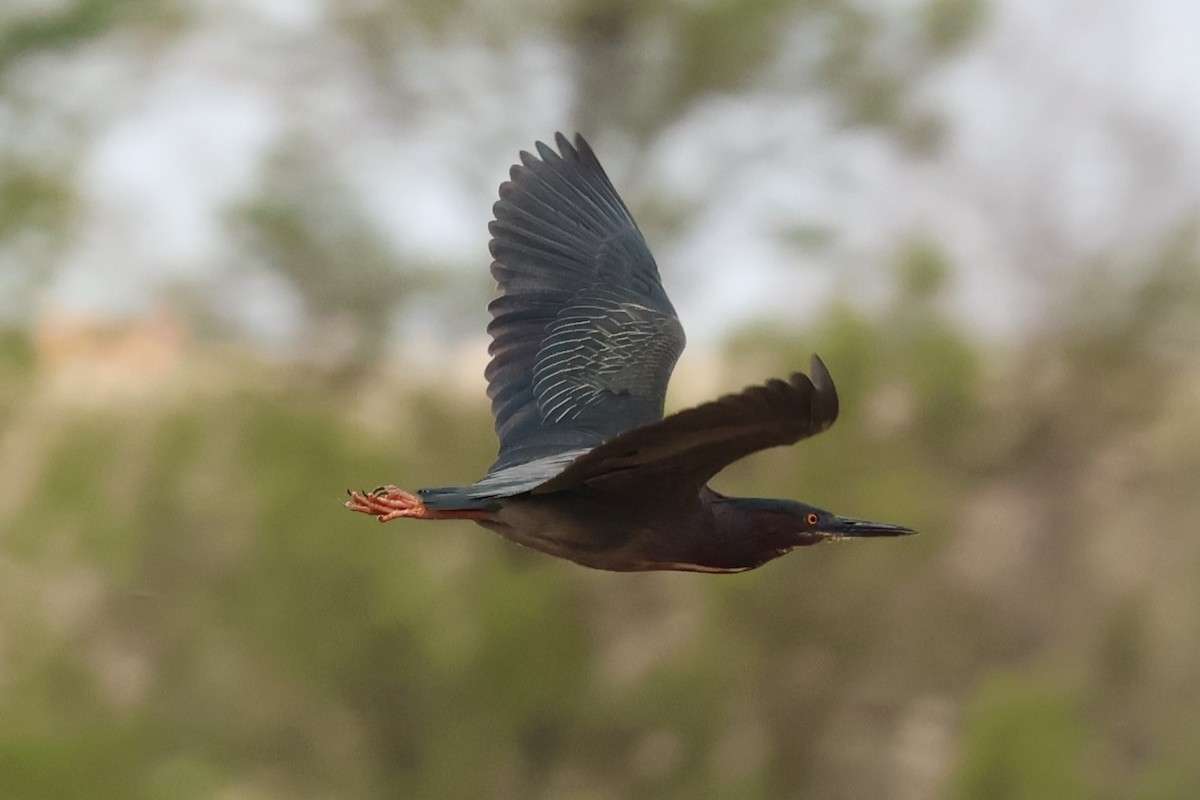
{"type": "Point", "coordinates": [584, 338]}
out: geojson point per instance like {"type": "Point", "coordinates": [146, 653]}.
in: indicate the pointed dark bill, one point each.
{"type": "Point", "coordinates": [847, 527]}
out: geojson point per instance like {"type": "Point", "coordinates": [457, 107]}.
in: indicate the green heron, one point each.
{"type": "Point", "coordinates": [584, 340]}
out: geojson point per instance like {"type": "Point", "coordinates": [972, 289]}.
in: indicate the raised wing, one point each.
{"type": "Point", "coordinates": [683, 451]}
{"type": "Point", "coordinates": [584, 338]}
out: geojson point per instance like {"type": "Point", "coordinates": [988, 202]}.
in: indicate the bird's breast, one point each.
{"type": "Point", "coordinates": [598, 531]}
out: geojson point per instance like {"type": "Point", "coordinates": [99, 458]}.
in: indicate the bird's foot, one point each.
{"type": "Point", "coordinates": [388, 503]}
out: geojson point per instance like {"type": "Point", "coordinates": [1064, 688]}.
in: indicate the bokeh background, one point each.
{"type": "Point", "coordinates": [243, 266]}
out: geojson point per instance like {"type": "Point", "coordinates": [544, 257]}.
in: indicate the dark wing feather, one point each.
{"type": "Point", "coordinates": [583, 336]}
{"type": "Point", "coordinates": [683, 451]}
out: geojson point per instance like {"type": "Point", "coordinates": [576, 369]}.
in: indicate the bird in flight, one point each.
{"type": "Point", "coordinates": [584, 340]}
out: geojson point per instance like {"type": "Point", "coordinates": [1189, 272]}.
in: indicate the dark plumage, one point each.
{"type": "Point", "coordinates": [584, 340]}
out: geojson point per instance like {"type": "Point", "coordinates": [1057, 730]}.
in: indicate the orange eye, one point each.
{"type": "Point", "coordinates": [812, 519]}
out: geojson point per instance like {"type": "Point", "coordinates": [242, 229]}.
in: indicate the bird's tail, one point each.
{"type": "Point", "coordinates": [453, 498]}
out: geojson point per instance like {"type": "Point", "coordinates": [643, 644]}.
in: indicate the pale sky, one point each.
{"type": "Point", "coordinates": [1072, 130]}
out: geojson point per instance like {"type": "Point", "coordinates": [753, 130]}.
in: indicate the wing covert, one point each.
{"type": "Point", "coordinates": [601, 348]}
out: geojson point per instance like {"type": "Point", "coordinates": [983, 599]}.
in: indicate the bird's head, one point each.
{"type": "Point", "coordinates": [834, 526]}
{"type": "Point", "coordinates": [785, 524]}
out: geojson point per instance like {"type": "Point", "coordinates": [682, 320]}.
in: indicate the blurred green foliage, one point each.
{"type": "Point", "coordinates": [30, 199]}
{"type": "Point", "coordinates": [306, 226]}
{"type": "Point", "coordinates": [1024, 740]}
{"type": "Point", "coordinates": [188, 610]}
{"type": "Point", "coordinates": [950, 23]}
{"type": "Point", "coordinates": [38, 29]}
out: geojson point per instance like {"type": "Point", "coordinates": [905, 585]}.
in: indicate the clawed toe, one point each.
{"type": "Point", "coordinates": [358, 502]}
{"type": "Point", "coordinates": [386, 502]}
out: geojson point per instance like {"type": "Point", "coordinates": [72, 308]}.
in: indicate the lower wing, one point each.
{"type": "Point", "coordinates": [688, 448]}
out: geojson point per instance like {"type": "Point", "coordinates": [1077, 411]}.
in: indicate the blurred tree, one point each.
{"type": "Point", "coordinates": [308, 227]}
{"type": "Point", "coordinates": [36, 210]}
{"type": "Point", "coordinates": [948, 24]}
{"type": "Point", "coordinates": [642, 66]}
{"type": "Point", "coordinates": [635, 68]}
{"type": "Point", "coordinates": [37, 29]}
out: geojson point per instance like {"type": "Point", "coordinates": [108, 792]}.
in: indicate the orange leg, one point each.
{"type": "Point", "coordinates": [389, 502]}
